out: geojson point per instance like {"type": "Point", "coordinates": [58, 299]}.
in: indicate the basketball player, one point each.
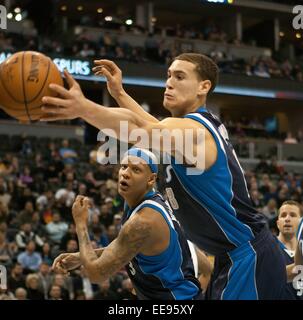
{"type": "Point", "coordinates": [288, 220]}
{"type": "Point", "coordinates": [150, 243]}
{"type": "Point", "coordinates": [298, 258]}
{"type": "Point", "coordinates": [213, 205]}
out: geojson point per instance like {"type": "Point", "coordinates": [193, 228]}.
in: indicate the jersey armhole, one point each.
{"type": "Point", "coordinates": [211, 170]}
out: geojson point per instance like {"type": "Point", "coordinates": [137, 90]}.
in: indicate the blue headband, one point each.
{"type": "Point", "coordinates": [148, 158]}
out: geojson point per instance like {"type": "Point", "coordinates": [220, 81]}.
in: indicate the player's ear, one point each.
{"type": "Point", "coordinates": [152, 179]}
{"type": "Point", "coordinates": [204, 87]}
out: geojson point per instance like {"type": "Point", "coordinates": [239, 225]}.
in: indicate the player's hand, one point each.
{"type": "Point", "coordinates": [113, 76]}
{"type": "Point", "coordinates": [66, 262]}
{"type": "Point", "coordinates": [80, 210]}
{"type": "Point", "coordinates": [69, 104]}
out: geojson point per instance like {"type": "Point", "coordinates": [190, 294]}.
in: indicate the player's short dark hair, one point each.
{"type": "Point", "coordinates": [293, 203]}
{"type": "Point", "coordinates": [206, 68]}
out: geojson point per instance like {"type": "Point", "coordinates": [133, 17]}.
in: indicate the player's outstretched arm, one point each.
{"type": "Point", "coordinates": [131, 240]}
{"type": "Point", "coordinates": [113, 75]}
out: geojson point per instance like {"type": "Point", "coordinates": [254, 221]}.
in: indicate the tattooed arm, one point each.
{"type": "Point", "coordinates": [132, 238]}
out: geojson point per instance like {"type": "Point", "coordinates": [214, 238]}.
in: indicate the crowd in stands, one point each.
{"type": "Point", "coordinates": [112, 46]}
{"type": "Point", "coordinates": [269, 185]}
{"type": "Point", "coordinates": [39, 180]}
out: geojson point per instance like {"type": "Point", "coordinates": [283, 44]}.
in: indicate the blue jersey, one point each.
{"type": "Point", "coordinates": [291, 292]}
{"type": "Point", "coordinates": [300, 237]}
{"type": "Point", "coordinates": [169, 275]}
{"type": "Point", "coordinates": [214, 207]}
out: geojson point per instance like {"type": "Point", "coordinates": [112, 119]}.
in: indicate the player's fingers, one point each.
{"type": "Point", "coordinates": [108, 63]}
{"type": "Point", "coordinates": [53, 101]}
{"type": "Point", "coordinates": [60, 90]}
{"type": "Point", "coordinates": [69, 79]}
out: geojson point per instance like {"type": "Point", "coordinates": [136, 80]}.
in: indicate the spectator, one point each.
{"type": "Point", "coordinates": [56, 229]}
{"type": "Point", "coordinates": [25, 235]}
{"type": "Point", "coordinates": [44, 279]}
{"type": "Point", "coordinates": [32, 283]}
{"type": "Point", "coordinates": [21, 294]}
{"type": "Point", "coordinates": [67, 154]}
{"type": "Point", "coordinates": [16, 278]}
{"type": "Point", "coordinates": [105, 292]}
{"type": "Point", "coordinates": [30, 259]}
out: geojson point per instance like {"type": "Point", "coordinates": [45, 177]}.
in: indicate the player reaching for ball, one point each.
{"type": "Point", "coordinates": [213, 205]}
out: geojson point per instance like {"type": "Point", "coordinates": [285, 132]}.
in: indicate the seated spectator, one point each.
{"type": "Point", "coordinates": [270, 211]}
{"type": "Point", "coordinates": [44, 279]}
{"type": "Point", "coordinates": [30, 259]}
{"type": "Point", "coordinates": [21, 294]}
{"type": "Point", "coordinates": [66, 195]}
{"type": "Point", "coordinates": [67, 154]}
{"type": "Point", "coordinates": [46, 254]}
{"type": "Point", "coordinates": [16, 278]}
{"type": "Point", "coordinates": [105, 292]}
{"type": "Point", "coordinates": [71, 234]}
{"type": "Point", "coordinates": [56, 229]}
{"type": "Point", "coordinates": [99, 235]}
{"type": "Point", "coordinates": [26, 214]}
{"type": "Point", "coordinates": [6, 251]}
{"type": "Point", "coordinates": [25, 235]}
{"type": "Point", "coordinates": [32, 283]}
{"type": "Point", "coordinates": [82, 283]}
{"type": "Point", "coordinates": [55, 293]}
{"type": "Point", "coordinates": [26, 178]}
{"type": "Point", "coordinates": [65, 285]}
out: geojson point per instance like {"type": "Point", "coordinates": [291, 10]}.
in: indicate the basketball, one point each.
{"type": "Point", "coordinates": [24, 80]}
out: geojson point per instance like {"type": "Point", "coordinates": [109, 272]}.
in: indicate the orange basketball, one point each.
{"type": "Point", "coordinates": [24, 80]}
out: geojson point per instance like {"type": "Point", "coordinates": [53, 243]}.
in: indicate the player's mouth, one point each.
{"type": "Point", "coordinates": [287, 226]}
{"type": "Point", "coordinates": [123, 185]}
{"type": "Point", "coordinates": [168, 96]}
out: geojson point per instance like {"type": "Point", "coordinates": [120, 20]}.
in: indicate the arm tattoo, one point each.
{"type": "Point", "coordinates": [130, 241]}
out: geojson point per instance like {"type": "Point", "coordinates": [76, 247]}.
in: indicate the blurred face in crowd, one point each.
{"type": "Point", "coordinates": [21, 294]}
{"type": "Point", "coordinates": [55, 292]}
{"type": "Point", "coordinates": [27, 228]}
{"type": "Point", "coordinates": [18, 270]}
{"type": "Point", "coordinates": [72, 246]}
{"type": "Point", "coordinates": [183, 88]}
{"type": "Point", "coordinates": [56, 218]}
{"type": "Point", "coordinates": [29, 206]}
{"type": "Point", "coordinates": [46, 248]}
{"type": "Point", "coordinates": [44, 269]}
{"type": "Point", "coordinates": [59, 280]}
{"type": "Point", "coordinates": [288, 220]}
{"type": "Point", "coordinates": [32, 282]}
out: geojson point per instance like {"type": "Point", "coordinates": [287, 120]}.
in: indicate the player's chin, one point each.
{"type": "Point", "coordinates": [168, 104]}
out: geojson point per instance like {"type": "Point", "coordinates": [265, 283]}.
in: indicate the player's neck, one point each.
{"type": "Point", "coordinates": [133, 201]}
{"type": "Point", "coordinates": [193, 108]}
{"type": "Point", "coordinates": [289, 241]}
